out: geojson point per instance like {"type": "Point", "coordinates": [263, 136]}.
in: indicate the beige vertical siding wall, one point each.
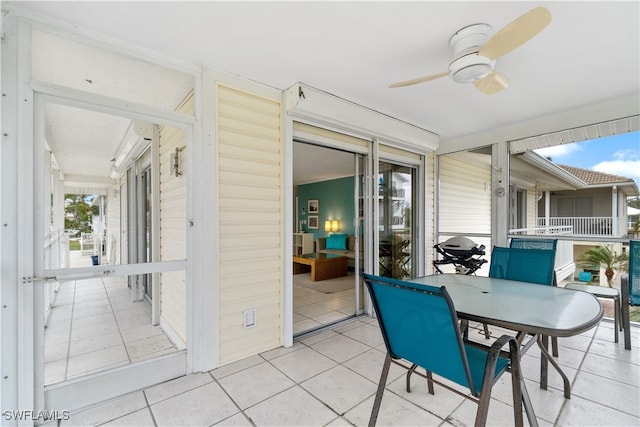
{"type": "Point", "coordinates": [250, 215]}
{"type": "Point", "coordinates": [465, 203]}
{"type": "Point", "coordinates": [173, 218]}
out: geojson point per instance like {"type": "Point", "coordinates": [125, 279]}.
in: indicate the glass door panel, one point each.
{"type": "Point", "coordinates": [396, 201]}
{"type": "Point", "coordinates": [101, 321]}
{"type": "Point", "coordinates": [328, 222]}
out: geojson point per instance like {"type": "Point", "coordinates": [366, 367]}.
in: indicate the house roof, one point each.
{"type": "Point", "coordinates": [591, 177]}
{"type": "Point", "coordinates": [549, 175]}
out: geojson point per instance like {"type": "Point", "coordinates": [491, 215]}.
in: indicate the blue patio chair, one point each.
{"type": "Point", "coordinates": [419, 324]}
{"type": "Point", "coordinates": [630, 289]}
{"type": "Point", "coordinates": [526, 265]}
{"type": "Point", "coordinates": [524, 243]}
{"type": "Point", "coordinates": [634, 272]}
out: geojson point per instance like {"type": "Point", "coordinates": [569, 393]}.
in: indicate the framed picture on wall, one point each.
{"type": "Point", "coordinates": [312, 222]}
{"type": "Point", "coordinates": [313, 206]}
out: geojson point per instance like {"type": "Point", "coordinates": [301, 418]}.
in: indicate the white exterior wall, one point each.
{"type": "Point", "coordinates": [250, 219]}
{"type": "Point", "coordinates": [173, 236]}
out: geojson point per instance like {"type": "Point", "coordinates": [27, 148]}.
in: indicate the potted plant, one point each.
{"type": "Point", "coordinates": [603, 256]}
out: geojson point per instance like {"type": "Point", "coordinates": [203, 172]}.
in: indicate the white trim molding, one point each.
{"type": "Point", "coordinates": [310, 105]}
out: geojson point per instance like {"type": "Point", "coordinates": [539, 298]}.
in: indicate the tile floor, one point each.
{"type": "Point", "coordinates": [329, 378]}
{"type": "Point", "coordinates": [93, 325]}
{"type": "Point", "coordinates": [312, 309]}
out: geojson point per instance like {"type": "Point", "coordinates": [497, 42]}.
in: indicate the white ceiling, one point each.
{"type": "Point", "coordinates": [589, 54]}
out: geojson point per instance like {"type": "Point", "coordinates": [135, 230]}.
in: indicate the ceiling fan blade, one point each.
{"type": "Point", "coordinates": [419, 80]}
{"type": "Point", "coordinates": [493, 82]}
{"type": "Point", "coordinates": [516, 33]}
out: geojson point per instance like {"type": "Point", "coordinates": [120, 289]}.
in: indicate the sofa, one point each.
{"type": "Point", "coordinates": [338, 244]}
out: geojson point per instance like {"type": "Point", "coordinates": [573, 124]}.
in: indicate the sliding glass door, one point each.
{"type": "Point", "coordinates": [396, 219]}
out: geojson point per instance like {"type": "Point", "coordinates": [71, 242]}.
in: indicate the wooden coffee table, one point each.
{"type": "Point", "coordinates": [323, 266]}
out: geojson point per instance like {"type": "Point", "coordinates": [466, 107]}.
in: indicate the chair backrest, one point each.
{"type": "Point", "coordinates": [523, 243]}
{"type": "Point", "coordinates": [634, 272]}
{"type": "Point", "coordinates": [525, 265]}
{"type": "Point", "coordinates": [419, 324]}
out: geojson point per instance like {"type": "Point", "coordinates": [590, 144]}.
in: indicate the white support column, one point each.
{"type": "Point", "coordinates": [547, 207]}
{"type": "Point", "coordinates": [57, 218]}
{"type": "Point", "coordinates": [9, 217]}
{"type": "Point", "coordinates": [155, 223]}
{"type": "Point", "coordinates": [615, 214]}
{"type": "Point", "coordinates": [500, 196]}
{"type": "Point", "coordinates": [202, 232]}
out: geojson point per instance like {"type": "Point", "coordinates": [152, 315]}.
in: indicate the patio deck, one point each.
{"type": "Point", "coordinates": [330, 379]}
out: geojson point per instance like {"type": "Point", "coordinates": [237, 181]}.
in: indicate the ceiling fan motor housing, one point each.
{"type": "Point", "coordinates": [467, 66]}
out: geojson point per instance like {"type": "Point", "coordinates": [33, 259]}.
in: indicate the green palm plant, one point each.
{"type": "Point", "coordinates": [603, 256]}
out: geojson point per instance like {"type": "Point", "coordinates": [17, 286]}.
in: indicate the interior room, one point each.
{"type": "Point", "coordinates": [324, 193]}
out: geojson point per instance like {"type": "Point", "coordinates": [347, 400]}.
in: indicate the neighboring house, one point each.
{"type": "Point", "coordinates": [599, 209]}
{"type": "Point", "coordinates": [544, 198]}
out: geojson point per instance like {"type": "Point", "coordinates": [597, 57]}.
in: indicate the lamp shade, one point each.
{"type": "Point", "coordinates": [334, 225]}
{"type": "Point", "coordinates": [327, 226]}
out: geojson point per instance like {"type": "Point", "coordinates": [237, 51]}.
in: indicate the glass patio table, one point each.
{"type": "Point", "coordinates": [542, 311]}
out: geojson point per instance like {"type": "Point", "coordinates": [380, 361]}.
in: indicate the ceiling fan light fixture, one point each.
{"type": "Point", "coordinates": [470, 68]}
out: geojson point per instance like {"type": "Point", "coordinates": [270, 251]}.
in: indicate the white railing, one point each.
{"type": "Point", "coordinates": [582, 226]}
{"type": "Point", "coordinates": [87, 244]}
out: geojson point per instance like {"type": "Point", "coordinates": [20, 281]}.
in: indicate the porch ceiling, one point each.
{"type": "Point", "coordinates": [354, 50]}
{"type": "Point", "coordinates": [88, 145]}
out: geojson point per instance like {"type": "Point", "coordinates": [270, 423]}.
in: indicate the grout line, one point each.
{"type": "Point", "coordinates": [153, 418]}
{"type": "Point", "coordinates": [73, 309]}
{"type": "Point", "coordinates": [124, 344]}
{"type": "Point", "coordinates": [241, 411]}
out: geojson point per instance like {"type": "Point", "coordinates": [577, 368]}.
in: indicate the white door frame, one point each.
{"type": "Point", "coordinates": [97, 387]}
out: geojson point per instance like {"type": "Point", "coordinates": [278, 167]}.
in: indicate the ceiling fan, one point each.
{"type": "Point", "coordinates": [475, 51]}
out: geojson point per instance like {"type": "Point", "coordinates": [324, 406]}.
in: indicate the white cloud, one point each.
{"type": "Point", "coordinates": [558, 151]}
{"type": "Point", "coordinates": [627, 155]}
{"type": "Point", "coordinates": [627, 168]}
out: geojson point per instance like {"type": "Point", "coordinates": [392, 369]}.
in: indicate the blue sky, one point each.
{"type": "Point", "coordinates": [617, 155]}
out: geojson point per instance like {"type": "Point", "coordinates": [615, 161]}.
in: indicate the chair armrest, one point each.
{"type": "Point", "coordinates": [321, 244]}
{"type": "Point", "coordinates": [495, 351]}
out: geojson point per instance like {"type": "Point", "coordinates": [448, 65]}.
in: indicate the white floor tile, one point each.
{"type": "Point", "coordinates": [139, 418]}
{"type": "Point", "coordinates": [149, 345]}
{"type": "Point", "coordinates": [293, 407]}
{"type": "Point", "coordinates": [255, 384]}
{"type": "Point", "coordinates": [612, 369]}
{"type": "Point", "coordinates": [202, 406]}
{"type": "Point", "coordinates": [175, 387]}
{"type": "Point", "coordinates": [340, 388]}
{"type": "Point", "coordinates": [607, 392]}
{"type": "Point", "coordinates": [96, 361]}
{"type": "Point", "coordinates": [367, 334]}
{"type": "Point", "coordinates": [303, 364]}
{"type": "Point", "coordinates": [394, 411]}
{"type": "Point", "coordinates": [107, 411]}
{"type": "Point", "coordinates": [95, 343]}
{"type": "Point", "coordinates": [340, 348]}
{"type": "Point", "coordinates": [581, 412]}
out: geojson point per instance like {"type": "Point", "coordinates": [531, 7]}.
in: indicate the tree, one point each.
{"type": "Point", "coordinates": [78, 213]}
{"type": "Point", "coordinates": [603, 256]}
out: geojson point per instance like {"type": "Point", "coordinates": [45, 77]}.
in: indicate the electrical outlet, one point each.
{"type": "Point", "coordinates": [249, 318]}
